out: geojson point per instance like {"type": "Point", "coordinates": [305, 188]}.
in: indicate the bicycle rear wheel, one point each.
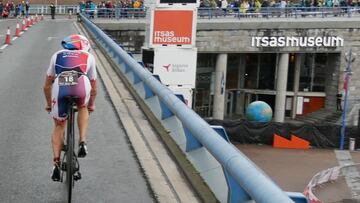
{"type": "Point", "coordinates": [70, 154]}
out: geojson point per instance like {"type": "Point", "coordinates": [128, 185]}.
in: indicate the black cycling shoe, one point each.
{"type": "Point", "coordinates": [56, 172]}
{"type": "Point", "coordinates": [82, 150]}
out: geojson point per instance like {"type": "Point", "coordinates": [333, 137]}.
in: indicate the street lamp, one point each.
{"type": "Point", "coordinates": [349, 58]}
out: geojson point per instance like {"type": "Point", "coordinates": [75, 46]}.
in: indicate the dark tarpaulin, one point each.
{"type": "Point", "coordinates": [321, 136]}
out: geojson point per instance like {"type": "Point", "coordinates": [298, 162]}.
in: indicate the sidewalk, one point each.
{"type": "Point", "coordinates": [293, 169]}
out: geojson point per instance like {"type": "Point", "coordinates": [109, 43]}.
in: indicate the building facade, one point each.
{"type": "Point", "coordinates": [295, 65]}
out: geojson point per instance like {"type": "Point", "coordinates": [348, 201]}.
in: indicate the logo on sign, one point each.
{"type": "Point", "coordinates": [167, 67]}
{"type": "Point", "coordinates": [169, 37]}
{"type": "Point", "coordinates": [176, 68]}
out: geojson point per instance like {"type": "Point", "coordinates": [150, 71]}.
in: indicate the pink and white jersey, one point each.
{"type": "Point", "coordinates": [65, 60]}
{"type": "Point", "coordinates": [71, 60]}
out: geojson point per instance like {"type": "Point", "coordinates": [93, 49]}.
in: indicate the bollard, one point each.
{"type": "Point", "coordinates": [351, 144]}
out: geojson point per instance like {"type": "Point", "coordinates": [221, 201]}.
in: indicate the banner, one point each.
{"type": "Point", "coordinates": [175, 66]}
{"type": "Point", "coordinates": [173, 27]}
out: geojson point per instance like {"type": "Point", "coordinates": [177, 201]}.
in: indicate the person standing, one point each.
{"type": "Point", "coordinates": [1, 8]}
{"type": "Point", "coordinates": [224, 5]}
{"type": "Point", "coordinates": [338, 101]}
{"type": "Point", "coordinates": [27, 6]}
{"type": "Point", "coordinates": [52, 10]}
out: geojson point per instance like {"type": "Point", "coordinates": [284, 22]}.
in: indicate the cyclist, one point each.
{"type": "Point", "coordinates": [74, 57]}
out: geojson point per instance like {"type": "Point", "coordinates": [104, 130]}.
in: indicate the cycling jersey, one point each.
{"type": "Point", "coordinates": [70, 60]}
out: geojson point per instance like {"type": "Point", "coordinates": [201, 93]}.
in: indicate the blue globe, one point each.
{"type": "Point", "coordinates": [259, 111]}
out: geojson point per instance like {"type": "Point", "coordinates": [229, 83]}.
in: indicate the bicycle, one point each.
{"type": "Point", "coordinates": [69, 163]}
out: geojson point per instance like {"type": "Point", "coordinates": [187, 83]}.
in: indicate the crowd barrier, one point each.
{"type": "Point", "coordinates": [230, 175]}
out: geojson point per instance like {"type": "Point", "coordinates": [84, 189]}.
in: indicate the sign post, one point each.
{"type": "Point", "coordinates": [171, 37]}
{"type": "Point", "coordinates": [349, 57]}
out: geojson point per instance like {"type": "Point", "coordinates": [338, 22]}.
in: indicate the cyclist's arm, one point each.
{"type": "Point", "coordinates": [93, 93]}
{"type": "Point", "coordinates": [50, 76]}
{"type": "Point", "coordinates": [92, 74]}
{"type": "Point", "coordinates": [47, 89]}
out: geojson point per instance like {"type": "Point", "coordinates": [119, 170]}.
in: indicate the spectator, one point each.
{"type": "Point", "coordinates": [283, 4]}
{"type": "Point", "coordinates": [11, 9]}
{"type": "Point", "coordinates": [27, 6]}
{"type": "Point", "coordinates": [5, 13]}
{"type": "Point", "coordinates": [17, 10]}
{"type": "Point", "coordinates": [213, 4]}
{"type": "Point", "coordinates": [109, 8]}
{"type": "Point", "coordinates": [23, 8]}
{"type": "Point", "coordinates": [329, 3]}
{"type": "Point", "coordinates": [338, 101]}
{"type": "Point", "coordinates": [82, 6]}
{"type": "Point", "coordinates": [244, 7]}
{"type": "Point", "coordinates": [257, 6]}
{"type": "Point", "coordinates": [265, 4]}
{"type": "Point", "coordinates": [1, 8]}
{"type": "Point", "coordinates": [224, 5]}
{"type": "Point", "coordinates": [52, 10]}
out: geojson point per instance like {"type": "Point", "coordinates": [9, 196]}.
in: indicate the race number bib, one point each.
{"type": "Point", "coordinates": [68, 78]}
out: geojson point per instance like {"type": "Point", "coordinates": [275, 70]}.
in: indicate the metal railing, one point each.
{"type": "Point", "coordinates": [209, 13]}
{"type": "Point", "coordinates": [276, 12]}
{"type": "Point", "coordinates": [245, 173]}
{"type": "Point", "coordinates": [60, 9]}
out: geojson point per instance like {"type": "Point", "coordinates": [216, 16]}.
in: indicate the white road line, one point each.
{"type": "Point", "coordinates": [14, 38]}
{"type": "Point", "coordinates": [51, 38]}
{"type": "Point", "coordinates": [3, 46]}
{"type": "Point", "coordinates": [21, 33]}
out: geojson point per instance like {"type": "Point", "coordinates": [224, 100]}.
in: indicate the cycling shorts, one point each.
{"type": "Point", "coordinates": [59, 104]}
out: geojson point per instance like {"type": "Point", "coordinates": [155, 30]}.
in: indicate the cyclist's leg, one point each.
{"type": "Point", "coordinates": [83, 120]}
{"type": "Point", "coordinates": [83, 113]}
{"type": "Point", "coordinates": [58, 112]}
{"type": "Point", "coordinates": [57, 138]}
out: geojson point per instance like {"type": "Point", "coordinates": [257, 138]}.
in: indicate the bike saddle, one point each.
{"type": "Point", "coordinates": [72, 98]}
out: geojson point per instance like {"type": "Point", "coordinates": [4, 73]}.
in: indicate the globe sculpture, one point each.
{"type": "Point", "coordinates": [259, 111]}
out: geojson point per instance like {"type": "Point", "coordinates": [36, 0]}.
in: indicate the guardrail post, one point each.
{"type": "Point", "coordinates": [191, 142]}
{"type": "Point", "coordinates": [148, 92]}
{"type": "Point", "coordinates": [136, 78]}
{"type": "Point", "coordinates": [235, 192]}
{"type": "Point", "coordinates": [165, 111]}
{"type": "Point", "coordinates": [127, 69]}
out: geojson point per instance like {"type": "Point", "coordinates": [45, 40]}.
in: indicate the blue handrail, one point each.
{"type": "Point", "coordinates": [253, 180]}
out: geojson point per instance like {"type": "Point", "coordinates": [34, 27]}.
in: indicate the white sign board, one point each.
{"type": "Point", "coordinates": [173, 27]}
{"type": "Point", "coordinates": [175, 66]}
{"type": "Point", "coordinates": [186, 92]}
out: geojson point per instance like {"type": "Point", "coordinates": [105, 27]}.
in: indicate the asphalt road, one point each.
{"type": "Point", "coordinates": [110, 171]}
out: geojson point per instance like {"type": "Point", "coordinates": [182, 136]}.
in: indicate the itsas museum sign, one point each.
{"type": "Point", "coordinates": [297, 42]}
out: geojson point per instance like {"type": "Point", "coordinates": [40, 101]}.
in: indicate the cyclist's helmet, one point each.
{"type": "Point", "coordinates": [76, 42]}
